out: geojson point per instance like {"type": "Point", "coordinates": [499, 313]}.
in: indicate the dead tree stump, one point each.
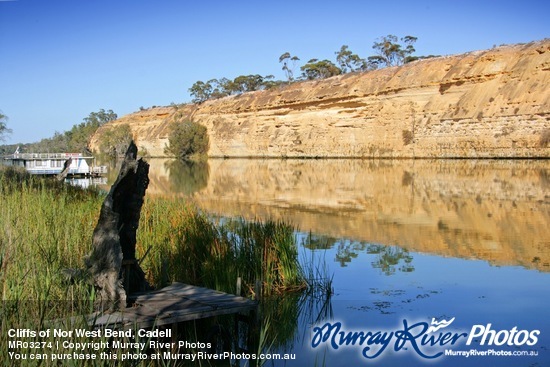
{"type": "Point", "coordinates": [65, 171]}
{"type": "Point", "coordinates": [112, 264]}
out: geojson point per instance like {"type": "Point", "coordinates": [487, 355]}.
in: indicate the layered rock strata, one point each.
{"type": "Point", "coordinates": [493, 103]}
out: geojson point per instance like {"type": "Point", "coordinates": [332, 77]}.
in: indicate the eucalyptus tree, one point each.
{"type": "Point", "coordinates": [99, 118]}
{"type": "Point", "coordinates": [115, 140]}
{"type": "Point", "coordinates": [249, 83]}
{"type": "Point", "coordinates": [187, 139]}
{"type": "Point", "coordinates": [201, 91]}
{"type": "Point", "coordinates": [315, 69]}
{"type": "Point", "coordinates": [289, 64]}
{"type": "Point", "coordinates": [349, 61]}
{"type": "Point", "coordinates": [390, 52]}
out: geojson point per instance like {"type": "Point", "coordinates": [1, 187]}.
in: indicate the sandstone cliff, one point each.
{"type": "Point", "coordinates": [493, 103]}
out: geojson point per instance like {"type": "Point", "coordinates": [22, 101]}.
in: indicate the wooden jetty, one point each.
{"type": "Point", "coordinates": [170, 305]}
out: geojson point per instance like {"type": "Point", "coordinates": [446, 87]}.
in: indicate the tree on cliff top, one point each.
{"type": "Point", "coordinates": [289, 63]}
{"type": "Point", "coordinates": [99, 118]}
{"type": "Point", "coordinates": [391, 52]}
{"type": "Point", "coordinates": [315, 69]}
{"type": "Point", "coordinates": [349, 61]}
{"type": "Point", "coordinates": [201, 91]}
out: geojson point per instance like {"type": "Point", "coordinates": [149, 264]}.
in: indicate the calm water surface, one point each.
{"type": "Point", "coordinates": [405, 240]}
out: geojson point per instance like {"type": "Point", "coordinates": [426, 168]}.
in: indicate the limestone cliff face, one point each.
{"type": "Point", "coordinates": [493, 103]}
{"type": "Point", "coordinates": [150, 128]}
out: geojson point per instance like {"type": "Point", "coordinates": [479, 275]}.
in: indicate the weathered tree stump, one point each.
{"type": "Point", "coordinates": [65, 171]}
{"type": "Point", "coordinates": [112, 264]}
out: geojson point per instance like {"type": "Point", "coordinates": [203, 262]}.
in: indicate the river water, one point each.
{"type": "Point", "coordinates": [407, 242]}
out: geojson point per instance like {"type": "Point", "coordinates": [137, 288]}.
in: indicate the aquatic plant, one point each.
{"type": "Point", "coordinates": [46, 227]}
{"type": "Point", "coordinates": [185, 245]}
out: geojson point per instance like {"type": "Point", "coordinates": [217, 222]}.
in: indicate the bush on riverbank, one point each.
{"type": "Point", "coordinates": [187, 140]}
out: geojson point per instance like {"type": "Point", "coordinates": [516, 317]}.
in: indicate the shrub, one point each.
{"type": "Point", "coordinates": [187, 140]}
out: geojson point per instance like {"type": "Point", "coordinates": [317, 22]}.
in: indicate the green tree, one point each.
{"type": "Point", "coordinates": [289, 64]}
{"type": "Point", "coordinates": [315, 69]}
{"type": "Point", "coordinates": [3, 126]}
{"type": "Point", "coordinates": [214, 88]}
{"type": "Point", "coordinates": [97, 119]}
{"type": "Point", "coordinates": [222, 87]}
{"type": "Point", "coordinates": [75, 140]}
{"type": "Point", "coordinates": [115, 140]}
{"type": "Point", "coordinates": [187, 140]}
{"type": "Point", "coordinates": [349, 61]}
{"type": "Point", "coordinates": [218, 88]}
{"type": "Point", "coordinates": [248, 83]}
{"type": "Point", "coordinates": [392, 53]}
{"type": "Point", "coordinates": [79, 136]}
{"type": "Point", "coordinates": [201, 91]}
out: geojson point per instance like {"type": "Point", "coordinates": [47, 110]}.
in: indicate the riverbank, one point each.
{"type": "Point", "coordinates": [47, 227]}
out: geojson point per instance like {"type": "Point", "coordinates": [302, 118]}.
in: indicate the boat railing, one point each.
{"type": "Point", "coordinates": [47, 155]}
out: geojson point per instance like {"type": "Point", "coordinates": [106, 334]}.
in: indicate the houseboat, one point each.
{"type": "Point", "coordinates": [53, 163]}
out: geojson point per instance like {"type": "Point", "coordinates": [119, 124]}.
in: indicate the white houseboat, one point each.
{"type": "Point", "coordinates": [52, 163]}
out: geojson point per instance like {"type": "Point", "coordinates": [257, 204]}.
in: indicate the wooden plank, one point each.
{"type": "Point", "coordinates": [176, 303]}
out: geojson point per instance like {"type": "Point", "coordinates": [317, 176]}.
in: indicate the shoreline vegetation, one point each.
{"type": "Point", "coordinates": [46, 227]}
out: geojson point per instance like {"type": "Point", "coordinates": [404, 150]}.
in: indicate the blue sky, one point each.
{"type": "Point", "coordinates": [62, 59]}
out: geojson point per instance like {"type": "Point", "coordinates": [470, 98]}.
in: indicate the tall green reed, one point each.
{"type": "Point", "coordinates": [46, 227]}
{"type": "Point", "coordinates": [185, 245]}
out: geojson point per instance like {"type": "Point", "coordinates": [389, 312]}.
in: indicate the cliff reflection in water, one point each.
{"type": "Point", "coordinates": [494, 210]}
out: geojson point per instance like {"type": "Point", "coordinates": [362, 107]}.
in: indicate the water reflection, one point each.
{"type": "Point", "coordinates": [168, 176]}
{"type": "Point", "coordinates": [187, 177]}
{"type": "Point", "coordinates": [87, 182]}
{"type": "Point", "coordinates": [389, 259]}
{"type": "Point", "coordinates": [495, 210]}
{"type": "Point", "coordinates": [401, 239]}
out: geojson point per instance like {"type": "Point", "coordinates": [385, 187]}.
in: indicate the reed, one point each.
{"type": "Point", "coordinates": [185, 245]}
{"type": "Point", "coordinates": [46, 227]}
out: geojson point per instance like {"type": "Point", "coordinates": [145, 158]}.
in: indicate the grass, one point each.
{"type": "Point", "coordinates": [46, 227]}
{"type": "Point", "coordinates": [184, 245]}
